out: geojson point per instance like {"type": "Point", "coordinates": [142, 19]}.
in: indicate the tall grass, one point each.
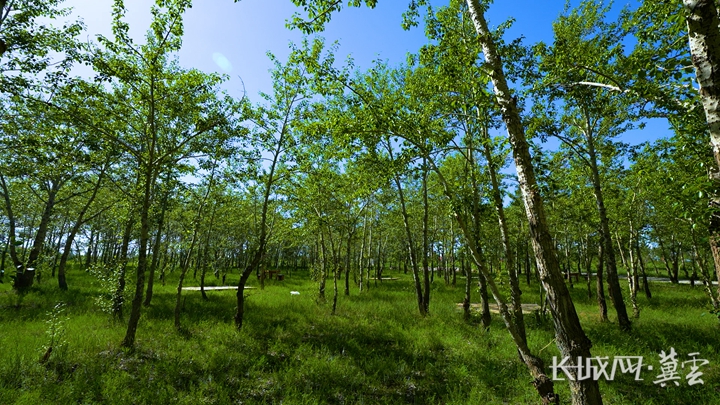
{"type": "Point", "coordinates": [375, 350]}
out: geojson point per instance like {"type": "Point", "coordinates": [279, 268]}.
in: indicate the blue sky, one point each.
{"type": "Point", "coordinates": [244, 31]}
{"type": "Point", "coordinates": [233, 38]}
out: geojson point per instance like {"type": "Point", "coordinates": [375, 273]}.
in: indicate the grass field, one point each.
{"type": "Point", "coordinates": [375, 350]}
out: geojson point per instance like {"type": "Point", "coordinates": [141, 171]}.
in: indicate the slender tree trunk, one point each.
{"type": "Point", "coordinates": [4, 256]}
{"type": "Point", "coordinates": [651, 256]}
{"type": "Point", "coordinates": [587, 261]}
{"type": "Point", "coordinates": [368, 262]}
{"type": "Point", "coordinates": [254, 264]}
{"type": "Point", "coordinates": [666, 259]}
{"type": "Point", "coordinates": [56, 249]}
{"type": "Point", "coordinates": [568, 264]}
{"type": "Point", "coordinates": [203, 266]}
{"type": "Point", "coordinates": [426, 243]}
{"type": "Point", "coordinates": [41, 234]}
{"type": "Point", "coordinates": [570, 337]}
{"type": "Point", "coordinates": [515, 293]}
{"type": "Point", "coordinates": [206, 250]}
{"type": "Point", "coordinates": [347, 263]}
{"type": "Point", "coordinates": [204, 258]}
{"type": "Point", "coordinates": [168, 259]}
{"type": "Point", "coordinates": [614, 289]}
{"type": "Point", "coordinates": [382, 256]}
{"type": "Point", "coordinates": [26, 245]}
{"type": "Point", "coordinates": [156, 250]}
{"type": "Point", "coordinates": [136, 305]}
{"type": "Point", "coordinates": [119, 294]}
{"type": "Point", "coordinates": [620, 249]}
{"type": "Point", "coordinates": [683, 262]}
{"type": "Point", "coordinates": [704, 41]}
{"type": "Point", "coordinates": [527, 263]}
{"type": "Point", "coordinates": [251, 267]}
{"type": "Point", "coordinates": [542, 383]}
{"type": "Point", "coordinates": [88, 253]}
{"type": "Point", "coordinates": [185, 265]}
{"type": "Point", "coordinates": [641, 262]}
{"type": "Point", "coordinates": [335, 268]}
{"type": "Point", "coordinates": [602, 304]}
{"type": "Point", "coordinates": [693, 262]}
{"type": "Point", "coordinates": [18, 268]}
{"type": "Point", "coordinates": [705, 274]}
{"type": "Point", "coordinates": [467, 270]}
{"type": "Point", "coordinates": [676, 255]}
{"type": "Point", "coordinates": [323, 268]}
{"type": "Point", "coordinates": [62, 282]}
{"type": "Point", "coordinates": [411, 247]}
{"type": "Point", "coordinates": [361, 260]}
{"type": "Point", "coordinates": [452, 254]}
{"type": "Point", "coordinates": [26, 271]}
{"type": "Point", "coordinates": [485, 316]}
{"type": "Point", "coordinates": [633, 279]}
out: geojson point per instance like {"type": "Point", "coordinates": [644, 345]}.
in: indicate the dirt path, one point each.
{"type": "Point", "coordinates": [224, 287]}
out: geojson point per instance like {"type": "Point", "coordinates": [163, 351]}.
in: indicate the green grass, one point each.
{"type": "Point", "coordinates": [375, 350]}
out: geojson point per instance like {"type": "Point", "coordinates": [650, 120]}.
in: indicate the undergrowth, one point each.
{"type": "Point", "coordinates": [375, 350]}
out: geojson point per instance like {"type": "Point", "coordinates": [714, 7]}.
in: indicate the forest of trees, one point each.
{"type": "Point", "coordinates": [146, 172]}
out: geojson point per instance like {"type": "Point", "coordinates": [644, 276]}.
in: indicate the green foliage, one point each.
{"type": "Point", "coordinates": [56, 331]}
{"type": "Point", "coordinates": [30, 46]}
{"type": "Point", "coordinates": [319, 13]}
{"type": "Point", "coordinates": [319, 161]}
{"type": "Point", "coordinates": [107, 278]}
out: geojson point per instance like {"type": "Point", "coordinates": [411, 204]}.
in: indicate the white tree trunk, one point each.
{"type": "Point", "coordinates": [570, 337]}
{"type": "Point", "coordinates": [704, 41]}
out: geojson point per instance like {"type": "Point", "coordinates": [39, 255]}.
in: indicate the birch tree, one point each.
{"type": "Point", "coordinates": [168, 114]}
{"type": "Point", "coordinates": [570, 337]}
{"type": "Point", "coordinates": [704, 41]}
{"type": "Point", "coordinates": [585, 117]}
{"type": "Point", "coordinates": [275, 134]}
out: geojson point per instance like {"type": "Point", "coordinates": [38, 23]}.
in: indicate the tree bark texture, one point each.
{"type": "Point", "coordinates": [614, 289]}
{"type": "Point", "coordinates": [704, 41]}
{"type": "Point", "coordinates": [570, 337]}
